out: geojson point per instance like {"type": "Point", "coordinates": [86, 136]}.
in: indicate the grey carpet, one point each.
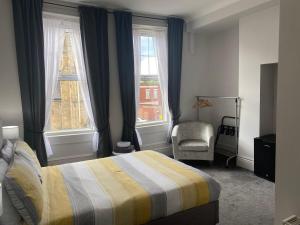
{"type": "Point", "coordinates": [245, 198]}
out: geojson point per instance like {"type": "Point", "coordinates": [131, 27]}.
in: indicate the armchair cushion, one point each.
{"type": "Point", "coordinates": [193, 145]}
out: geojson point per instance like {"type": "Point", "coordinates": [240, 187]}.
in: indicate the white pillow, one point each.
{"type": "Point", "coordinates": [9, 215]}
{"type": "Point", "coordinates": [7, 152]}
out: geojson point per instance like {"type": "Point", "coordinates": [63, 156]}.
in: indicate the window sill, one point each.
{"type": "Point", "coordinates": [152, 124]}
{"type": "Point", "coordinates": [63, 133]}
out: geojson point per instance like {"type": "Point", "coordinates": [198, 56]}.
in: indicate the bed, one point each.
{"type": "Point", "coordinates": [132, 189]}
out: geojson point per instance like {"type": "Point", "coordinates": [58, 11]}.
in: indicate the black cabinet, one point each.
{"type": "Point", "coordinates": [264, 156]}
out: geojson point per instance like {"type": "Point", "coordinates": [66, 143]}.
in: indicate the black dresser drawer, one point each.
{"type": "Point", "coordinates": [264, 157]}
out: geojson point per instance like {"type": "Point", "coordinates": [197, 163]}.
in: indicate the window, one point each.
{"type": "Point", "coordinates": [148, 94]}
{"type": "Point", "coordinates": [150, 68]}
{"type": "Point", "coordinates": [67, 108]}
{"type": "Point", "coordinates": [155, 93]}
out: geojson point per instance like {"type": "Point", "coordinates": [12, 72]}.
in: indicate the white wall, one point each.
{"type": "Point", "coordinates": [258, 44]}
{"type": "Point", "coordinates": [194, 73]}
{"type": "Point", "coordinates": [223, 59]}
{"type": "Point", "coordinates": [222, 77]}
{"type": "Point", "coordinates": [10, 100]}
{"type": "Point", "coordinates": [268, 99]}
{"type": "Point", "coordinates": [287, 184]}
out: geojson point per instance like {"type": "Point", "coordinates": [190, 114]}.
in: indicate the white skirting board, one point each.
{"type": "Point", "coordinates": [245, 163]}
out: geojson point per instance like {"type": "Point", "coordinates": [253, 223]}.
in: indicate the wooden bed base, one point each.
{"type": "Point", "coordinates": [203, 215]}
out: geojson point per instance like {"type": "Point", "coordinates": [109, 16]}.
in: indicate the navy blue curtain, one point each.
{"type": "Point", "coordinates": [28, 24]}
{"type": "Point", "coordinates": [175, 36]}
{"type": "Point", "coordinates": [94, 32]}
{"type": "Point", "coordinates": [123, 21]}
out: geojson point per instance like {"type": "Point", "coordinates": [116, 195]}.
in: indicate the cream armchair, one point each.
{"type": "Point", "coordinates": [193, 141]}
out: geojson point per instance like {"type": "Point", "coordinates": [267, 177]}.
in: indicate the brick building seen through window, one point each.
{"type": "Point", "coordinates": [68, 110]}
{"type": "Point", "coordinates": [150, 108]}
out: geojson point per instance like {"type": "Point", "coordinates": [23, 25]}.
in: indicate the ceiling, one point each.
{"type": "Point", "coordinates": [183, 8]}
{"type": "Point", "coordinates": [199, 14]}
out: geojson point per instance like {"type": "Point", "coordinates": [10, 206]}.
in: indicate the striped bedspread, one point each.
{"type": "Point", "coordinates": [130, 189]}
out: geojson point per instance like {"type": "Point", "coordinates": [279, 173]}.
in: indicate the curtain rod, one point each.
{"type": "Point", "coordinates": [109, 12]}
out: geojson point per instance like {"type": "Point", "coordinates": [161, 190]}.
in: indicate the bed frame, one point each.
{"type": "Point", "coordinates": [203, 215]}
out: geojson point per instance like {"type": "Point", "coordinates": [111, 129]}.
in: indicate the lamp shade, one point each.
{"type": "Point", "coordinates": [10, 132]}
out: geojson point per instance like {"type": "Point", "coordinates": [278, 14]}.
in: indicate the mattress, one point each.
{"type": "Point", "coordinates": [129, 189]}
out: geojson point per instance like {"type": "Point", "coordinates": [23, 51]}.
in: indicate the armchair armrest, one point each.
{"type": "Point", "coordinates": [208, 134]}
{"type": "Point", "coordinates": [211, 142]}
{"type": "Point", "coordinates": [175, 133]}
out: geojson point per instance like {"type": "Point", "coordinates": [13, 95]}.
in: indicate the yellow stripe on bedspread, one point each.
{"type": "Point", "coordinates": [200, 183]}
{"type": "Point", "coordinates": [131, 203]}
{"type": "Point", "coordinates": [58, 209]}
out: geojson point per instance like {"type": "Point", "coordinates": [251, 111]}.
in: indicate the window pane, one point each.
{"type": "Point", "coordinates": [151, 51]}
{"type": "Point", "coordinates": [144, 46]}
{"type": "Point", "coordinates": [148, 62]}
{"type": "Point", "coordinates": [150, 107]}
{"type": "Point", "coordinates": [148, 93]}
{"type": "Point", "coordinates": [68, 109]}
{"type": "Point", "coordinates": [153, 67]}
{"type": "Point", "coordinates": [155, 93]}
{"type": "Point", "coordinates": [67, 64]}
{"type": "Point", "coordinates": [144, 65]}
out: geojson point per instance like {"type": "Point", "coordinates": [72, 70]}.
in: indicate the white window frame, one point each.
{"type": "Point", "coordinates": [66, 132]}
{"type": "Point", "coordinates": [166, 115]}
{"type": "Point", "coordinates": [147, 93]}
{"type": "Point", "coordinates": [69, 132]}
{"type": "Point", "coordinates": [155, 93]}
{"type": "Point", "coordinates": [67, 77]}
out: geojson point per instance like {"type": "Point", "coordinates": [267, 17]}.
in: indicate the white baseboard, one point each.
{"type": "Point", "coordinates": [245, 163]}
